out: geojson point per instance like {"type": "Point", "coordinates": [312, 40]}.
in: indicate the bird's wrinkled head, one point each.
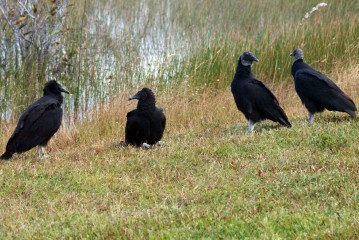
{"type": "Point", "coordinates": [54, 87]}
{"type": "Point", "coordinates": [247, 58]}
{"type": "Point", "coordinates": [143, 95]}
{"type": "Point", "coordinates": [297, 54]}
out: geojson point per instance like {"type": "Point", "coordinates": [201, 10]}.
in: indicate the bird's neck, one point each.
{"type": "Point", "coordinates": [58, 97]}
{"type": "Point", "coordinates": [299, 60]}
{"type": "Point", "coordinates": [148, 106]}
{"type": "Point", "coordinates": [296, 64]}
{"type": "Point", "coordinates": [243, 71]}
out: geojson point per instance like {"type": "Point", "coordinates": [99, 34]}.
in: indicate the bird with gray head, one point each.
{"type": "Point", "coordinates": [252, 97]}
{"type": "Point", "coordinates": [38, 123]}
{"type": "Point", "coordinates": [145, 125]}
{"type": "Point", "coordinates": [316, 91]}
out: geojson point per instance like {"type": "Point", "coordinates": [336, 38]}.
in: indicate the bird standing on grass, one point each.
{"type": "Point", "coordinates": [146, 124]}
{"type": "Point", "coordinates": [38, 123]}
{"type": "Point", "coordinates": [252, 97]}
{"type": "Point", "coordinates": [316, 91]}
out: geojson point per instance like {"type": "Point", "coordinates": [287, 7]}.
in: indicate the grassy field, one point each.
{"type": "Point", "coordinates": [105, 47]}
{"type": "Point", "coordinates": [212, 180]}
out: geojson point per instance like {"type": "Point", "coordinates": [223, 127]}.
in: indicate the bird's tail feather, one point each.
{"type": "Point", "coordinates": [351, 113]}
{"type": "Point", "coordinates": [285, 122]}
{"type": "Point", "coordinates": [6, 156]}
{"type": "Point", "coordinates": [282, 117]}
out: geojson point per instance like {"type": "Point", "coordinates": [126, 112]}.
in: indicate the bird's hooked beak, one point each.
{"type": "Point", "coordinates": [250, 57]}
{"type": "Point", "coordinates": [292, 54]}
{"type": "Point", "coordinates": [64, 90]}
{"type": "Point", "coordinates": [247, 58]}
{"type": "Point", "coordinates": [136, 96]}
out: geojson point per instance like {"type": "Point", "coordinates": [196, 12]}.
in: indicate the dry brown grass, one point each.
{"type": "Point", "coordinates": [212, 173]}
{"type": "Point", "coordinates": [186, 110]}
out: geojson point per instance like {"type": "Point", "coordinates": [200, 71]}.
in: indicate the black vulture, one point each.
{"type": "Point", "coordinates": [38, 123]}
{"type": "Point", "coordinates": [316, 91]}
{"type": "Point", "coordinates": [145, 125]}
{"type": "Point", "coordinates": [252, 97]}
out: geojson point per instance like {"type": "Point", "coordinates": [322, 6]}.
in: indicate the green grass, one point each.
{"type": "Point", "coordinates": [99, 50]}
{"type": "Point", "coordinates": [212, 180]}
{"type": "Point", "coordinates": [219, 183]}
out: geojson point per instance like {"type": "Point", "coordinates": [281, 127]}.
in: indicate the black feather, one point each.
{"type": "Point", "coordinates": [147, 123]}
{"type": "Point", "coordinates": [253, 98]}
{"type": "Point", "coordinates": [317, 92]}
{"type": "Point", "coordinates": [38, 123]}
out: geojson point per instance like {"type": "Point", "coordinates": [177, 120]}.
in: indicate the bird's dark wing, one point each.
{"type": "Point", "coordinates": [316, 87]}
{"type": "Point", "coordinates": [265, 102]}
{"type": "Point", "coordinates": [137, 128]}
{"type": "Point", "coordinates": [262, 89]}
{"type": "Point", "coordinates": [251, 94]}
{"type": "Point", "coordinates": [259, 95]}
{"type": "Point", "coordinates": [311, 74]}
{"type": "Point", "coordinates": [38, 123]}
{"type": "Point", "coordinates": [163, 118]}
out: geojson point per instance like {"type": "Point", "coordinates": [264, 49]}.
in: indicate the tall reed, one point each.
{"type": "Point", "coordinates": [104, 48]}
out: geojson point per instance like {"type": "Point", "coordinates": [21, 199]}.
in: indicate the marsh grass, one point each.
{"type": "Point", "coordinates": [105, 47]}
{"type": "Point", "coordinates": [212, 180]}
{"type": "Point", "coordinates": [221, 182]}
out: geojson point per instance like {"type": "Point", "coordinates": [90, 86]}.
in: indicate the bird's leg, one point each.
{"type": "Point", "coordinates": [250, 126]}
{"type": "Point", "coordinates": [39, 152]}
{"type": "Point", "coordinates": [44, 154]}
{"type": "Point", "coordinates": [146, 146]}
{"type": "Point", "coordinates": [310, 117]}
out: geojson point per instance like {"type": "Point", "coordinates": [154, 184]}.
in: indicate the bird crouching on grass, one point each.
{"type": "Point", "coordinates": [145, 125]}
{"type": "Point", "coordinates": [38, 123]}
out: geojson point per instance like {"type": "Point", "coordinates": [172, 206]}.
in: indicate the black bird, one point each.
{"type": "Point", "coordinates": [252, 97]}
{"type": "Point", "coordinates": [145, 125]}
{"type": "Point", "coordinates": [38, 123]}
{"type": "Point", "coordinates": [316, 91]}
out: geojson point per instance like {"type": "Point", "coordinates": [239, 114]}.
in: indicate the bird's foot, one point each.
{"type": "Point", "coordinates": [161, 144]}
{"type": "Point", "coordinates": [251, 127]}
{"type": "Point", "coordinates": [43, 156]}
{"type": "Point", "coordinates": [146, 146]}
{"type": "Point", "coordinates": [310, 118]}
{"type": "Point", "coordinates": [41, 153]}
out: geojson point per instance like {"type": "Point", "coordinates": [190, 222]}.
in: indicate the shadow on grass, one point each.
{"type": "Point", "coordinates": [335, 118]}
{"type": "Point", "coordinates": [259, 128]}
